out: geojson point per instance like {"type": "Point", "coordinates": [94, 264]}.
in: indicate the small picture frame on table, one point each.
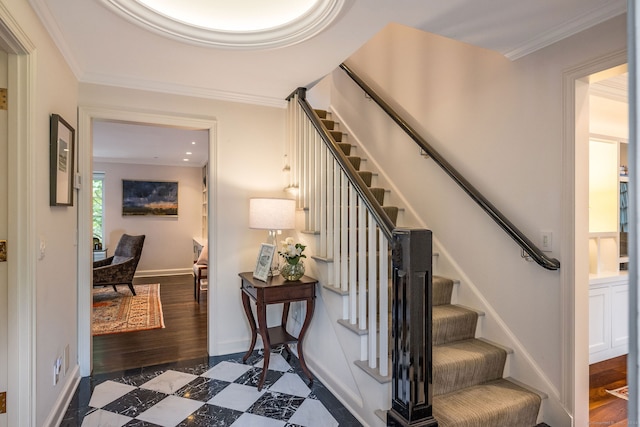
{"type": "Point", "coordinates": [62, 164]}
{"type": "Point", "coordinates": [263, 263]}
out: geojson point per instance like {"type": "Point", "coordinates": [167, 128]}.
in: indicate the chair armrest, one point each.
{"type": "Point", "coordinates": [115, 273]}
{"type": "Point", "coordinates": [103, 262]}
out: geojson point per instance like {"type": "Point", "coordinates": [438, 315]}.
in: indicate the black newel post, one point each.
{"type": "Point", "coordinates": [411, 330]}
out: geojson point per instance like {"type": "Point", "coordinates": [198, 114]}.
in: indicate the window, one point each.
{"type": "Point", "coordinates": [98, 206]}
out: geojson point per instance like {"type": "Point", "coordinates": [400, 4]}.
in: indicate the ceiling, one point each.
{"type": "Point", "coordinates": [104, 47]}
{"type": "Point", "coordinates": [117, 142]}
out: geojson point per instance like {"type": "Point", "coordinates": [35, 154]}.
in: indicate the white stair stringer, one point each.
{"type": "Point", "coordinates": [331, 352]}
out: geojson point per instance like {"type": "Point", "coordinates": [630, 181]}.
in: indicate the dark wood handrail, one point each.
{"type": "Point", "coordinates": [526, 244]}
{"type": "Point", "coordinates": [379, 215]}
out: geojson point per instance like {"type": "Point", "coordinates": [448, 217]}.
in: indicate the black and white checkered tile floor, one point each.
{"type": "Point", "coordinates": [218, 391]}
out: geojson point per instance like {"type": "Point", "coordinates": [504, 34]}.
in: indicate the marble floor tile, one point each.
{"type": "Point", "coordinates": [237, 396]}
{"type": "Point", "coordinates": [276, 405]}
{"type": "Point", "coordinates": [218, 391]}
{"type": "Point", "coordinates": [169, 382]}
{"type": "Point", "coordinates": [202, 389]}
{"type": "Point", "coordinates": [312, 413]}
{"type": "Point", "coordinates": [276, 363]}
{"type": "Point", "coordinates": [252, 377]}
{"type": "Point", "coordinates": [170, 411]}
{"type": "Point", "coordinates": [135, 402]}
{"type": "Point", "coordinates": [107, 392]}
{"type": "Point", "coordinates": [100, 418]}
{"type": "Point", "coordinates": [251, 420]}
{"type": "Point", "coordinates": [291, 384]}
{"type": "Point", "coordinates": [211, 416]}
{"type": "Point", "coordinates": [227, 371]}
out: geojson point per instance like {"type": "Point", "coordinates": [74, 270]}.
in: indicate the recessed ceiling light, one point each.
{"type": "Point", "coordinates": [238, 24]}
{"type": "Point", "coordinates": [189, 153]}
{"type": "Point", "coordinates": [193, 143]}
{"type": "Point", "coordinates": [185, 160]}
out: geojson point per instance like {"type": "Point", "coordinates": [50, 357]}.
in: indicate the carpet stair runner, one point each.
{"type": "Point", "coordinates": [468, 385]}
{"type": "Point", "coordinates": [468, 388]}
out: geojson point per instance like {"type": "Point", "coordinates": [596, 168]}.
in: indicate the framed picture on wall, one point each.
{"type": "Point", "coordinates": [263, 263]}
{"type": "Point", "coordinates": [61, 162]}
{"type": "Point", "coordinates": [149, 198]}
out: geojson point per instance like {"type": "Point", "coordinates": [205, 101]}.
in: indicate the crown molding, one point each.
{"type": "Point", "coordinates": [51, 25]}
{"type": "Point", "coordinates": [569, 28]}
{"type": "Point", "coordinates": [176, 89]}
{"type": "Point", "coordinates": [314, 21]}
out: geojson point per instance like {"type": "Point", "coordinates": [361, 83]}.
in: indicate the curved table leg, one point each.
{"type": "Point", "coordinates": [247, 309]}
{"type": "Point", "coordinates": [262, 324]}
{"type": "Point", "coordinates": [305, 326]}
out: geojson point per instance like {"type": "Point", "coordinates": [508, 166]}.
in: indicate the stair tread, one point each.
{"type": "Point", "coordinates": [462, 350]}
{"type": "Point", "coordinates": [453, 323]}
{"type": "Point", "coordinates": [497, 403]}
{"type": "Point", "coordinates": [465, 363]}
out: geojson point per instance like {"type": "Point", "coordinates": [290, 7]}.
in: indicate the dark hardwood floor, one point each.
{"type": "Point", "coordinates": [184, 336]}
{"type": "Point", "coordinates": [605, 409]}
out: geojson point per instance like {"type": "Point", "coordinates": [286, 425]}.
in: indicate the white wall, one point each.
{"type": "Point", "coordinates": [500, 123]}
{"type": "Point", "coordinates": [245, 162]}
{"type": "Point", "coordinates": [168, 246]}
{"type": "Point", "coordinates": [55, 91]}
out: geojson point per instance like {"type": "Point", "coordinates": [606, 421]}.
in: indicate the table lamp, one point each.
{"type": "Point", "coordinates": [273, 215]}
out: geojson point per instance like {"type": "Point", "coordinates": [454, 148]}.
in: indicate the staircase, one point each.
{"type": "Point", "coordinates": [468, 388]}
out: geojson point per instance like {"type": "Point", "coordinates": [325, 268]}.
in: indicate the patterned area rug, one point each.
{"type": "Point", "coordinates": [117, 312]}
{"type": "Point", "coordinates": [622, 392]}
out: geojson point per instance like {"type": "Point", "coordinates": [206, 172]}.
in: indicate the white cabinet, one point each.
{"type": "Point", "coordinates": [608, 317]}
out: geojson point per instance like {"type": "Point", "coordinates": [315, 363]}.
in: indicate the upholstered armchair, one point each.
{"type": "Point", "coordinates": [200, 268]}
{"type": "Point", "coordinates": [119, 268]}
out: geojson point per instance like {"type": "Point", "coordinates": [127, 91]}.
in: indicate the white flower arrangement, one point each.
{"type": "Point", "coordinates": [291, 251]}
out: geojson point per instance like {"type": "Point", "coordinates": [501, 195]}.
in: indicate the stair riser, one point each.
{"type": "Point", "coordinates": [450, 376]}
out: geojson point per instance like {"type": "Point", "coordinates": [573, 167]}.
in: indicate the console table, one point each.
{"type": "Point", "coordinates": [276, 291]}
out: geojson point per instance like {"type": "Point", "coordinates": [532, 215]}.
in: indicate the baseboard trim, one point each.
{"type": "Point", "coordinates": [64, 399]}
{"type": "Point", "coordinates": [165, 272]}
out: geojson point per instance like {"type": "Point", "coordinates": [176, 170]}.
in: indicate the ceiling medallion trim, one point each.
{"type": "Point", "coordinates": [316, 19]}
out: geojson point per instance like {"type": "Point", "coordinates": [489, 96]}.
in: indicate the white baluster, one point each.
{"type": "Point", "coordinates": [344, 234]}
{"type": "Point", "coordinates": [372, 294]}
{"type": "Point", "coordinates": [362, 264]}
{"type": "Point", "coordinates": [322, 205]}
{"type": "Point", "coordinates": [353, 254]}
{"type": "Point", "coordinates": [383, 279]}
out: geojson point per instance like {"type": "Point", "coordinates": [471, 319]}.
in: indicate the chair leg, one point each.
{"type": "Point", "coordinates": [132, 290]}
{"type": "Point", "coordinates": [198, 287]}
{"type": "Point", "coordinates": [114, 288]}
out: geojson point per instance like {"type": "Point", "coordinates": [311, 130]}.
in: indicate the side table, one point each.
{"type": "Point", "coordinates": [276, 291]}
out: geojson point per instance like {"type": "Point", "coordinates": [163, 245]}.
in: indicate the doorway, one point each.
{"type": "Point", "coordinates": [608, 255]}
{"type": "Point", "coordinates": [575, 244]}
{"type": "Point", "coordinates": [88, 117]}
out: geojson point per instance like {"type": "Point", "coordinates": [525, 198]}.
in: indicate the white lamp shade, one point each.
{"type": "Point", "coordinates": [272, 214]}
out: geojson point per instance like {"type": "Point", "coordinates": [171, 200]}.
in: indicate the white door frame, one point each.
{"type": "Point", "coordinates": [21, 215]}
{"type": "Point", "coordinates": [86, 116]}
{"type": "Point", "coordinates": [575, 264]}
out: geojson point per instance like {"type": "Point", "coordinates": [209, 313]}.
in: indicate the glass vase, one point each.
{"type": "Point", "coordinates": [292, 272]}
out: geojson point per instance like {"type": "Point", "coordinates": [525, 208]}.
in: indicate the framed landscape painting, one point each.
{"type": "Point", "coordinates": [149, 198]}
